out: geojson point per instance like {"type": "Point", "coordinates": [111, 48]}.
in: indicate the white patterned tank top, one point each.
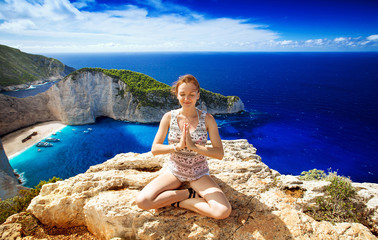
{"type": "Point", "coordinates": [186, 164]}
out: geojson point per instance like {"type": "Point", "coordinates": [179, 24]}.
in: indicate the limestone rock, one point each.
{"type": "Point", "coordinates": [289, 181]}
{"type": "Point", "coordinates": [369, 192]}
{"type": "Point", "coordinates": [26, 227]}
{"type": "Point", "coordinates": [102, 199]}
{"type": "Point", "coordinates": [9, 184]}
{"type": "Point", "coordinates": [17, 113]}
{"type": "Point", "coordinates": [10, 231]}
{"type": "Point", "coordinates": [82, 97]}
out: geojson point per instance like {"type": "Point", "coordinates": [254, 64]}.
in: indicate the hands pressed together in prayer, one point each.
{"type": "Point", "coordinates": [186, 140]}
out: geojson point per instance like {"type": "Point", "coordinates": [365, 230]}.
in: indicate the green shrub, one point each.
{"type": "Point", "coordinates": [313, 174]}
{"type": "Point", "coordinates": [19, 203]}
{"type": "Point", "coordinates": [340, 202]}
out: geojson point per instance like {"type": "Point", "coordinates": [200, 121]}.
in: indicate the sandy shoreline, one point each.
{"type": "Point", "coordinates": [13, 144]}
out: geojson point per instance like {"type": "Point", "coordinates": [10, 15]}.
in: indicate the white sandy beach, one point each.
{"type": "Point", "coordinates": [13, 144]}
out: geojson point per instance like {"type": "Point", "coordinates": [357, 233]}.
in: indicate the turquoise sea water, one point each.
{"type": "Point", "coordinates": [304, 111]}
{"type": "Point", "coordinates": [81, 147]}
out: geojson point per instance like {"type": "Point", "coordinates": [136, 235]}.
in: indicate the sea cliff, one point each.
{"type": "Point", "coordinates": [9, 184]}
{"type": "Point", "coordinates": [86, 94]}
{"type": "Point", "coordinates": [103, 201]}
{"type": "Point", "coordinates": [19, 70]}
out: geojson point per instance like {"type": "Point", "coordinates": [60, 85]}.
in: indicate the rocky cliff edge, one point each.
{"type": "Point", "coordinates": [102, 200]}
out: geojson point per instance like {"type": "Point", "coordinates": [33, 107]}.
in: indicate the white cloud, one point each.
{"type": "Point", "coordinates": [372, 38]}
{"type": "Point", "coordinates": [286, 42]}
{"type": "Point", "coordinates": [83, 3]}
{"type": "Point", "coordinates": [18, 25]}
{"type": "Point", "coordinates": [341, 39]}
{"type": "Point", "coordinates": [315, 42]}
{"type": "Point", "coordinates": [364, 43]}
{"type": "Point", "coordinates": [337, 44]}
{"type": "Point", "coordinates": [58, 25]}
{"type": "Point", "coordinates": [319, 41]}
{"type": "Point", "coordinates": [130, 26]}
{"type": "Point", "coordinates": [165, 7]}
{"type": "Point", "coordinates": [55, 10]}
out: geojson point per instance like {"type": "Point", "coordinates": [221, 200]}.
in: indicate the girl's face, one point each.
{"type": "Point", "coordinates": [187, 95]}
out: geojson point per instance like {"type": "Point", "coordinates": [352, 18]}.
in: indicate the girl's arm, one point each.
{"type": "Point", "coordinates": [157, 146]}
{"type": "Point", "coordinates": [216, 151]}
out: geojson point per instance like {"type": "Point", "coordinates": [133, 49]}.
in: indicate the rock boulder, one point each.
{"type": "Point", "coordinates": [103, 200]}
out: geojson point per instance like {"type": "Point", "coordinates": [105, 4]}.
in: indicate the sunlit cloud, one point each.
{"type": "Point", "coordinates": [337, 44]}
{"type": "Point", "coordinates": [61, 26]}
{"type": "Point", "coordinates": [372, 38]}
{"type": "Point", "coordinates": [129, 27]}
{"type": "Point", "coordinates": [286, 42]}
{"type": "Point", "coordinates": [83, 3]}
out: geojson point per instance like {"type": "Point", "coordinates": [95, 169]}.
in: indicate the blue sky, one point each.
{"type": "Point", "coordinates": [43, 26]}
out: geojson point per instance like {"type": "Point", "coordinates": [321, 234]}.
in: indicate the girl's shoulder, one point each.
{"type": "Point", "coordinates": [209, 116]}
{"type": "Point", "coordinates": [167, 116]}
{"type": "Point", "coordinates": [209, 119]}
{"type": "Point", "coordinates": [202, 112]}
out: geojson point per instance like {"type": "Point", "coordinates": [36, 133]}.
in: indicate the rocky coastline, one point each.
{"type": "Point", "coordinates": [86, 94]}
{"type": "Point", "coordinates": [102, 201]}
{"type": "Point", "coordinates": [28, 85]}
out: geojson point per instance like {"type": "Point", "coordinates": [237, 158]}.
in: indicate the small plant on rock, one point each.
{"type": "Point", "coordinates": [340, 202]}
{"type": "Point", "coordinates": [313, 174]}
{"type": "Point", "coordinates": [19, 203]}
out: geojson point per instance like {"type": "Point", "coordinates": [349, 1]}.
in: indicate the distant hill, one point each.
{"type": "Point", "coordinates": [17, 67]}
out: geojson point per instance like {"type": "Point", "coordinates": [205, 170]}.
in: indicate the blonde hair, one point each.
{"type": "Point", "coordinates": [188, 78]}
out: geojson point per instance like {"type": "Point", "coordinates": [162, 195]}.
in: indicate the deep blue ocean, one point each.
{"type": "Point", "coordinates": [303, 111]}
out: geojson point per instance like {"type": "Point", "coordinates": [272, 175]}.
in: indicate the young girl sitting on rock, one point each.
{"type": "Point", "coordinates": [188, 129]}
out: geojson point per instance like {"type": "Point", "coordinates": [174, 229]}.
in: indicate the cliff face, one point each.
{"type": "Point", "coordinates": [9, 184]}
{"type": "Point", "coordinates": [102, 199]}
{"type": "Point", "coordinates": [18, 69]}
{"type": "Point", "coordinates": [17, 113]}
{"type": "Point", "coordinates": [81, 97]}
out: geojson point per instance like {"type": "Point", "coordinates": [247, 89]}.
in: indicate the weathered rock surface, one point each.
{"type": "Point", "coordinates": [80, 98]}
{"type": "Point", "coordinates": [16, 113]}
{"type": "Point", "coordinates": [24, 226]}
{"type": "Point", "coordinates": [102, 199]}
{"type": "Point", "coordinates": [9, 185]}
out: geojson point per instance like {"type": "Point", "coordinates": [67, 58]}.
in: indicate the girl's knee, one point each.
{"type": "Point", "coordinates": [143, 202]}
{"type": "Point", "coordinates": [221, 211]}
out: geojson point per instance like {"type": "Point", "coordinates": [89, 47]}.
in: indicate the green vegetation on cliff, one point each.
{"type": "Point", "coordinates": [340, 202]}
{"type": "Point", "coordinates": [149, 91]}
{"type": "Point", "coordinates": [17, 67]}
{"type": "Point", "coordinates": [19, 203]}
